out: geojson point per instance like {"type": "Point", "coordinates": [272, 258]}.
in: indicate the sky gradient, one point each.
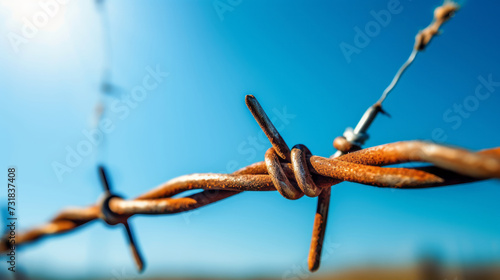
{"type": "Point", "coordinates": [288, 54]}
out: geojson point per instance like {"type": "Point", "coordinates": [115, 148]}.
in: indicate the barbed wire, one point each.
{"type": "Point", "coordinates": [293, 172]}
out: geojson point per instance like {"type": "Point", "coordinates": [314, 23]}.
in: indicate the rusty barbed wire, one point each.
{"type": "Point", "coordinates": [293, 173]}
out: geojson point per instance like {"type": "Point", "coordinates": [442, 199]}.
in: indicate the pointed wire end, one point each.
{"type": "Point", "coordinates": [313, 268]}
{"type": "Point", "coordinates": [381, 110]}
{"type": "Point", "coordinates": [250, 100]}
{"type": "Point", "coordinates": [254, 106]}
{"type": "Point", "coordinates": [103, 177]}
{"type": "Point", "coordinates": [268, 127]}
{"type": "Point", "coordinates": [135, 251]}
{"type": "Point", "coordinates": [319, 229]}
{"type": "Point", "coordinates": [140, 267]}
{"type": "Point", "coordinates": [139, 262]}
{"type": "Point", "coordinates": [314, 261]}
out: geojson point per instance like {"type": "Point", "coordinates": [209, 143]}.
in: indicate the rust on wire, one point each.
{"type": "Point", "coordinates": [306, 173]}
{"type": "Point", "coordinates": [441, 15]}
{"type": "Point", "coordinates": [294, 173]}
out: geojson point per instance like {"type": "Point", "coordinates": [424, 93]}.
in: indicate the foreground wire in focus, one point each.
{"type": "Point", "coordinates": [293, 173]}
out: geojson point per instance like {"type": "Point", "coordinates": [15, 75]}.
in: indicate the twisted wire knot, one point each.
{"type": "Point", "coordinates": [278, 153]}
{"type": "Point", "coordinates": [285, 170]}
{"type": "Point", "coordinates": [303, 184]}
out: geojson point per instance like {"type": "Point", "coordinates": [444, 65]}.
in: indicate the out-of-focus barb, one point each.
{"type": "Point", "coordinates": [353, 139]}
{"type": "Point", "coordinates": [441, 15]}
{"type": "Point", "coordinates": [112, 218]}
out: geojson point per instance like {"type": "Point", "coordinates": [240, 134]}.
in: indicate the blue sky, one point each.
{"type": "Point", "coordinates": [286, 53]}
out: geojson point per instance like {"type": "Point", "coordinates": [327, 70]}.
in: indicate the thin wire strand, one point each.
{"type": "Point", "coordinates": [451, 166]}
{"type": "Point", "coordinates": [398, 75]}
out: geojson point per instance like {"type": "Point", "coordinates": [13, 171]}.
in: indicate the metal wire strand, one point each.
{"type": "Point", "coordinates": [296, 172]}
{"type": "Point", "coordinates": [325, 172]}
{"type": "Point", "coordinates": [293, 174]}
{"type": "Point", "coordinates": [398, 75]}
